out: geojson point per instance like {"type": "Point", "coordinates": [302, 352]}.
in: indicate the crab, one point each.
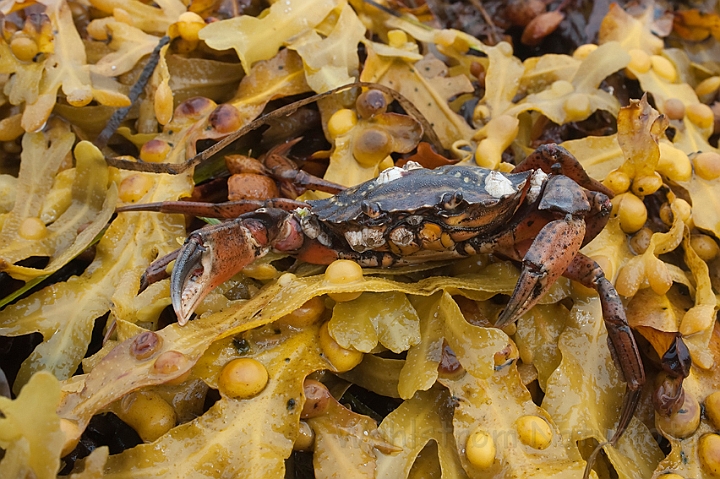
{"type": "Point", "coordinates": [539, 215]}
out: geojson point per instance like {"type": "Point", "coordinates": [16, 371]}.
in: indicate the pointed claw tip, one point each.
{"type": "Point", "coordinates": [182, 319]}
{"type": "Point", "coordinates": [186, 299]}
{"type": "Point", "coordinates": [185, 289]}
{"type": "Point", "coordinates": [506, 317]}
{"type": "Point", "coordinates": [143, 283]}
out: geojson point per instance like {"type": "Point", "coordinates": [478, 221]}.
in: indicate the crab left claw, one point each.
{"type": "Point", "coordinates": [213, 255]}
{"type": "Point", "coordinates": [190, 279]}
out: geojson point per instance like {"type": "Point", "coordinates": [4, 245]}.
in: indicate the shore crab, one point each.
{"type": "Point", "coordinates": [540, 215]}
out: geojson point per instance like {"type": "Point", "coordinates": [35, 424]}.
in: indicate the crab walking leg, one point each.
{"type": "Point", "coordinates": [214, 254]}
{"type": "Point", "coordinates": [227, 210]}
{"type": "Point", "coordinates": [669, 396]}
{"type": "Point", "coordinates": [598, 216]}
{"type": "Point", "coordinates": [550, 253]}
{"type": "Point", "coordinates": [621, 341]}
{"type": "Point", "coordinates": [158, 270]}
{"type": "Point", "coordinates": [555, 159]}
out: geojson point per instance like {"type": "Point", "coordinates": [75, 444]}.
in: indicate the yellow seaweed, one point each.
{"type": "Point", "coordinates": [30, 430]}
{"type": "Point", "coordinates": [256, 39]}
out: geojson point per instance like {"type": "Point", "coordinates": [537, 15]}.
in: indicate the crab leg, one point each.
{"type": "Point", "coordinates": [157, 270]}
{"type": "Point", "coordinates": [555, 159]}
{"type": "Point", "coordinates": [228, 209]}
{"type": "Point", "coordinates": [285, 170]}
{"type": "Point", "coordinates": [676, 363]}
{"type": "Point", "coordinates": [620, 338]}
{"type": "Point", "coordinates": [214, 254]}
{"type": "Point", "coordinates": [597, 218]}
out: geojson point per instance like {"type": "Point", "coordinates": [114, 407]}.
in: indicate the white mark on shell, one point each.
{"type": "Point", "coordinates": [302, 212]}
{"type": "Point", "coordinates": [325, 239]}
{"type": "Point", "coordinates": [536, 182]}
{"type": "Point", "coordinates": [365, 239]}
{"type": "Point", "coordinates": [497, 185]}
{"type": "Point", "coordinates": [401, 236]}
{"type": "Point", "coordinates": [354, 239]}
{"type": "Point", "coordinates": [312, 229]}
{"type": "Point", "coordinates": [310, 226]}
{"type": "Point", "coordinates": [486, 248]}
{"type": "Point", "coordinates": [390, 174]}
{"type": "Point", "coordinates": [414, 220]}
{"type": "Point", "coordinates": [374, 238]}
{"type": "Point", "coordinates": [412, 165]}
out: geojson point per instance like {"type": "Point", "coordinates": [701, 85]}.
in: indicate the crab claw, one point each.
{"type": "Point", "coordinates": [214, 254]}
{"type": "Point", "coordinates": [202, 265]}
{"type": "Point", "coordinates": [188, 279]}
{"type": "Point", "coordinates": [550, 253]}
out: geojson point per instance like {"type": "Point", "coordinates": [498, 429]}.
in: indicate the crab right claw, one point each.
{"type": "Point", "coordinates": [214, 254]}
{"type": "Point", "coordinates": [550, 254]}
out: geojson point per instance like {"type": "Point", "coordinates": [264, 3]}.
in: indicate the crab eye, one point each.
{"type": "Point", "coordinates": [371, 209]}
{"type": "Point", "coordinates": [450, 201]}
